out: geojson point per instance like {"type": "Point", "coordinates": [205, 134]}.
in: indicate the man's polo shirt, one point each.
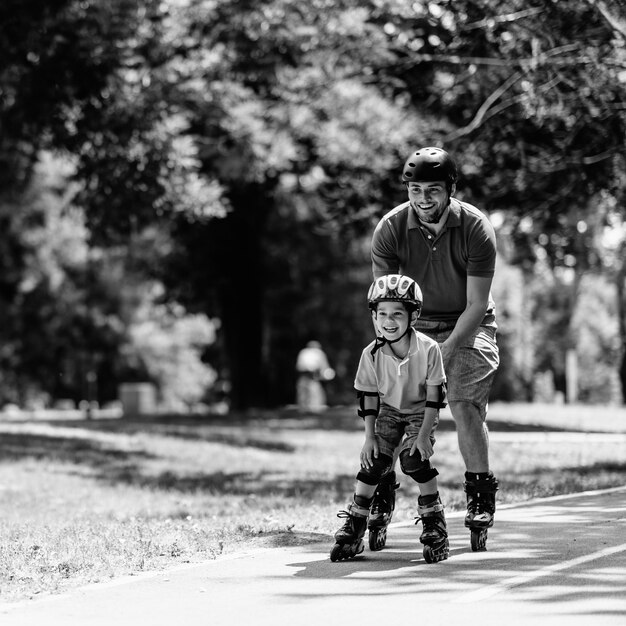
{"type": "Point", "coordinates": [466, 246]}
{"type": "Point", "coordinates": [401, 383]}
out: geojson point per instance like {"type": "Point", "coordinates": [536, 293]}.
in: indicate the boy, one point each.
{"type": "Point", "coordinates": [400, 383]}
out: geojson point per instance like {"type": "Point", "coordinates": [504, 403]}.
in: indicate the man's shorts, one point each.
{"type": "Point", "coordinates": [471, 369]}
{"type": "Point", "coordinates": [391, 426]}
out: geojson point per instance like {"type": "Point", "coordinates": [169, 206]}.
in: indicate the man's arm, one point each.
{"type": "Point", "coordinates": [478, 288]}
{"type": "Point", "coordinates": [384, 256]}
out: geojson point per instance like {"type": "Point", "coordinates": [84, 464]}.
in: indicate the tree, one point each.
{"type": "Point", "coordinates": [304, 149]}
{"type": "Point", "coordinates": [275, 130]}
{"type": "Point", "coordinates": [89, 79]}
{"type": "Point", "coordinates": [531, 97]}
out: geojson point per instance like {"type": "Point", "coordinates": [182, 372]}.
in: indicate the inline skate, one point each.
{"type": "Point", "coordinates": [349, 538]}
{"type": "Point", "coordinates": [381, 511]}
{"type": "Point", "coordinates": [481, 506]}
{"type": "Point", "coordinates": [435, 533]}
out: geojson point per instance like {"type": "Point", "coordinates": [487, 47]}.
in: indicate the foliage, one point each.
{"type": "Point", "coordinates": [52, 328]}
{"type": "Point", "coordinates": [258, 142]}
{"type": "Point", "coordinates": [534, 93]}
{"type": "Point", "coordinates": [598, 348]}
{"type": "Point", "coordinates": [168, 344]}
{"type": "Point", "coordinates": [82, 318]}
{"type": "Point", "coordinates": [345, 93]}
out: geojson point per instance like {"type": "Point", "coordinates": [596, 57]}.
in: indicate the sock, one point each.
{"type": "Point", "coordinates": [363, 501]}
{"type": "Point", "coordinates": [478, 475]}
{"type": "Point", "coordinates": [428, 499]}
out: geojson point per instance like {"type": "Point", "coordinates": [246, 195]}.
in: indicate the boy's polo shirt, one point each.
{"type": "Point", "coordinates": [401, 383]}
{"type": "Point", "coordinates": [440, 264]}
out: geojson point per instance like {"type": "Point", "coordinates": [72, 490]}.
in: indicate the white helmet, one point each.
{"type": "Point", "coordinates": [396, 288]}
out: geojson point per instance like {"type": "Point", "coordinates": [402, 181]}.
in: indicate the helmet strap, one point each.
{"type": "Point", "coordinates": [381, 341]}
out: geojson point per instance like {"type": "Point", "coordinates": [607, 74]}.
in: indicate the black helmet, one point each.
{"type": "Point", "coordinates": [429, 164]}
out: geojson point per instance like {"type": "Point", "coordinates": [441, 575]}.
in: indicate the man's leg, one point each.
{"type": "Point", "coordinates": [470, 373]}
{"type": "Point", "coordinates": [480, 483]}
{"type": "Point", "coordinates": [472, 436]}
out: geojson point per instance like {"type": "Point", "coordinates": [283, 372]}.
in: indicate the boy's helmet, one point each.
{"type": "Point", "coordinates": [396, 288]}
{"type": "Point", "coordinates": [430, 164]}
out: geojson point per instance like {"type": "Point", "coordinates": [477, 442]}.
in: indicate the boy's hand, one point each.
{"type": "Point", "coordinates": [369, 452]}
{"type": "Point", "coordinates": [423, 446]}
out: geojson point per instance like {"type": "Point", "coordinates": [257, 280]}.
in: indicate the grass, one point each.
{"type": "Point", "coordinates": [91, 501]}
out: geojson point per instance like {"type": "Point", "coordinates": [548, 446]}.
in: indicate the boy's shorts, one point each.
{"type": "Point", "coordinates": [391, 426]}
{"type": "Point", "coordinates": [471, 369]}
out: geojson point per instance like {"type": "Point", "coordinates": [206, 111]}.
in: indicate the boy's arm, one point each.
{"type": "Point", "coordinates": [435, 396]}
{"type": "Point", "coordinates": [368, 409]}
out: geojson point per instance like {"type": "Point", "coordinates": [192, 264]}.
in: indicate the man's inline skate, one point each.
{"type": "Point", "coordinates": [381, 511]}
{"type": "Point", "coordinates": [435, 533]}
{"type": "Point", "coordinates": [481, 506]}
{"type": "Point", "coordinates": [349, 538]}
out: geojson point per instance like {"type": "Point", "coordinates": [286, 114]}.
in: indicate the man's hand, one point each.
{"type": "Point", "coordinates": [447, 349]}
{"type": "Point", "coordinates": [369, 452]}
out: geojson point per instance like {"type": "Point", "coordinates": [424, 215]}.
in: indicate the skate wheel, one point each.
{"type": "Point", "coordinates": [346, 551]}
{"type": "Point", "coordinates": [377, 539]}
{"type": "Point", "coordinates": [478, 540]}
{"type": "Point", "coordinates": [335, 553]}
{"type": "Point", "coordinates": [440, 553]}
{"type": "Point", "coordinates": [428, 554]}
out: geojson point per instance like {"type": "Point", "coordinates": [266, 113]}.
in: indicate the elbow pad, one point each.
{"type": "Point", "coordinates": [362, 412]}
{"type": "Point", "coordinates": [441, 400]}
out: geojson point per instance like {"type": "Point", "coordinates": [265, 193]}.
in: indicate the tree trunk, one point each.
{"type": "Point", "coordinates": [237, 242]}
{"type": "Point", "coordinates": [621, 317]}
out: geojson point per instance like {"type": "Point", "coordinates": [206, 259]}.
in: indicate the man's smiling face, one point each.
{"type": "Point", "coordinates": [429, 199]}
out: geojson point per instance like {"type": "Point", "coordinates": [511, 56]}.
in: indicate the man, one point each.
{"type": "Point", "coordinates": [448, 247]}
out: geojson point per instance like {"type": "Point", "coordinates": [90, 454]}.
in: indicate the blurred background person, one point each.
{"type": "Point", "coordinates": [313, 369]}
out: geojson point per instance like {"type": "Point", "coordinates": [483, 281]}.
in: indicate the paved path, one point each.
{"type": "Point", "coordinates": [554, 561]}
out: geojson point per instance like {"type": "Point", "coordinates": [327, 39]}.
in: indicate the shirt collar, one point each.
{"type": "Point", "coordinates": [454, 215]}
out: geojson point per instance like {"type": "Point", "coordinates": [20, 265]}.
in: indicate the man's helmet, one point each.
{"type": "Point", "coordinates": [430, 164]}
{"type": "Point", "coordinates": [396, 288]}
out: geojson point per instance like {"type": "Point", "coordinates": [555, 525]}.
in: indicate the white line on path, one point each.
{"type": "Point", "coordinates": [492, 590]}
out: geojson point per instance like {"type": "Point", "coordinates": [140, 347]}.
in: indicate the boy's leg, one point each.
{"type": "Point", "coordinates": [349, 538]}
{"type": "Point", "coordinates": [384, 501]}
{"type": "Point", "coordinates": [356, 515]}
{"type": "Point", "coordinates": [389, 433]}
{"type": "Point", "coordinates": [381, 511]}
{"type": "Point", "coordinates": [435, 533]}
{"type": "Point", "coordinates": [429, 506]}
{"type": "Point", "coordinates": [363, 491]}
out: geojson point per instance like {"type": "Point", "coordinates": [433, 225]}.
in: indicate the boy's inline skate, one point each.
{"type": "Point", "coordinates": [349, 538]}
{"type": "Point", "coordinates": [481, 506]}
{"type": "Point", "coordinates": [435, 533]}
{"type": "Point", "coordinates": [381, 511]}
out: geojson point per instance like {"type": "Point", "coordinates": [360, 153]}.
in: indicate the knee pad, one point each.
{"type": "Point", "coordinates": [372, 475]}
{"type": "Point", "coordinates": [413, 466]}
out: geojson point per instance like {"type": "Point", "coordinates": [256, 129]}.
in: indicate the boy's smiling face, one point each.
{"type": "Point", "coordinates": [391, 319]}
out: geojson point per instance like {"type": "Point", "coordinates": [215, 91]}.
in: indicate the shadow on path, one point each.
{"type": "Point", "coordinates": [569, 554]}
